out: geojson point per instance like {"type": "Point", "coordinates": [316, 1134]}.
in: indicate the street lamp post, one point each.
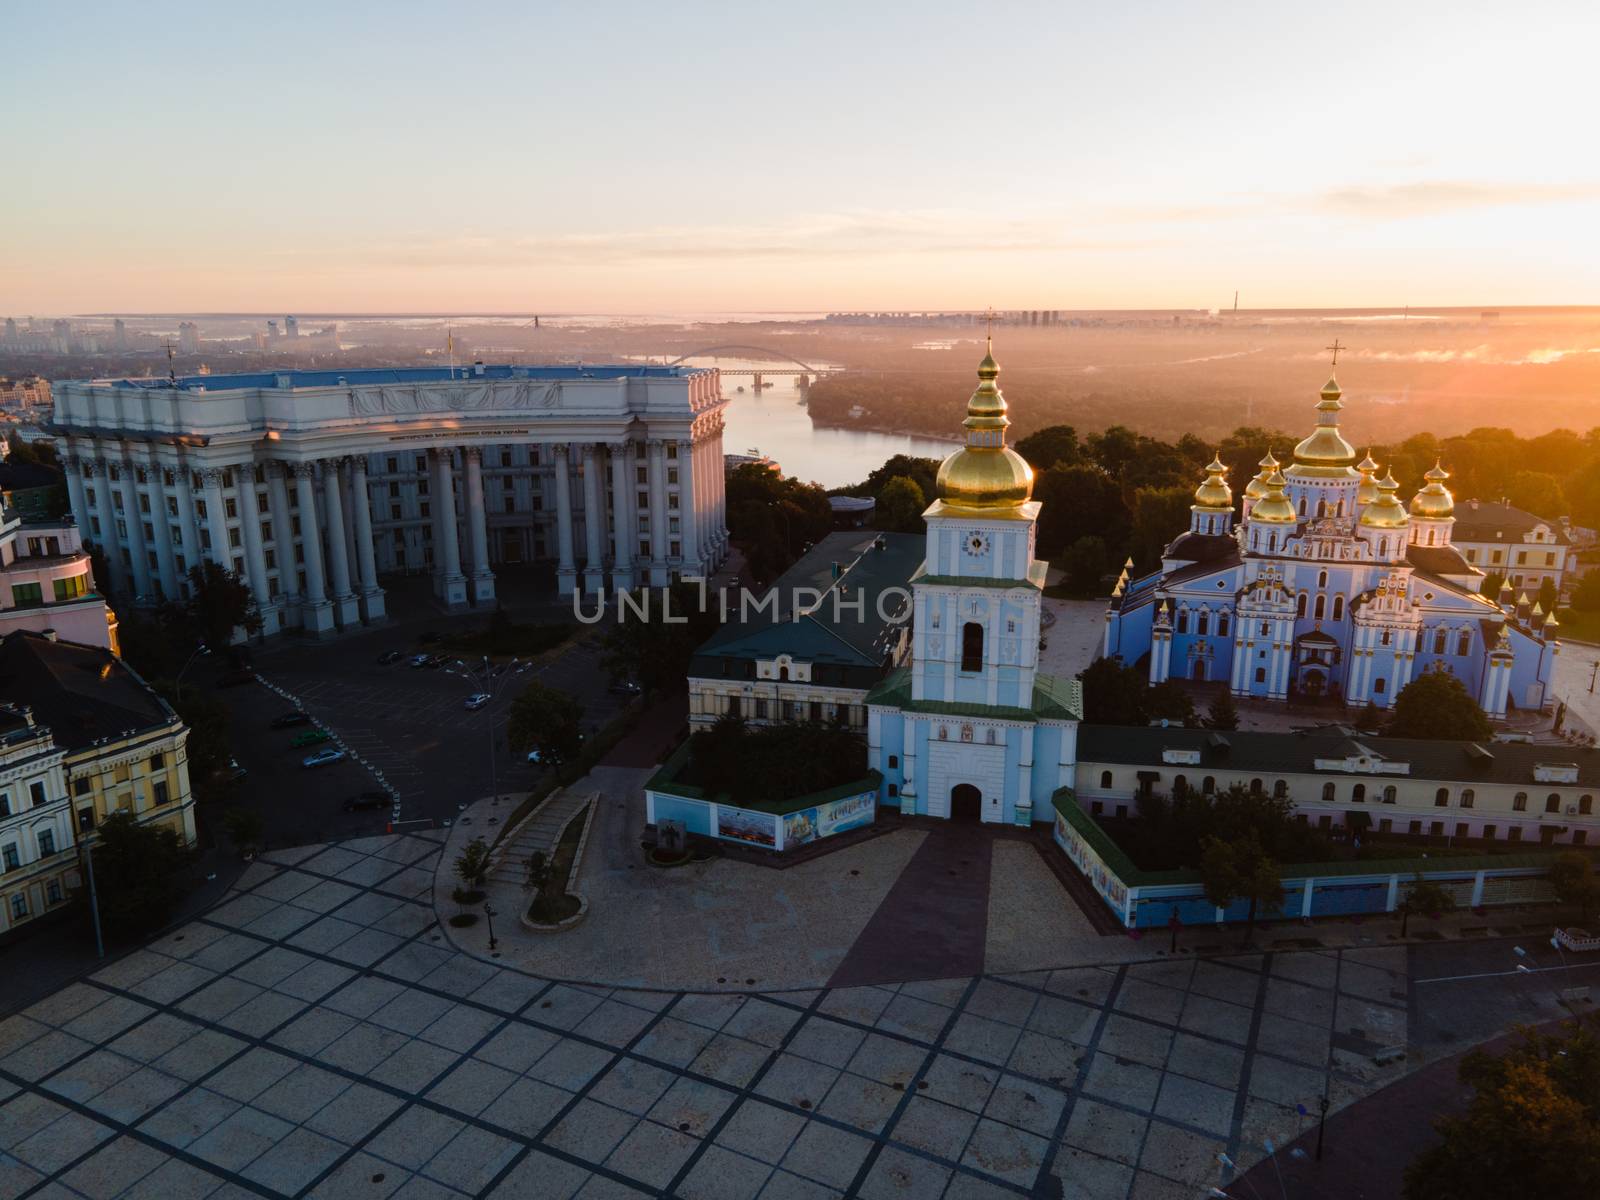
{"type": "Point", "coordinates": [489, 685]}
{"type": "Point", "coordinates": [202, 648]}
{"type": "Point", "coordinates": [488, 912]}
{"type": "Point", "coordinates": [1322, 1123]}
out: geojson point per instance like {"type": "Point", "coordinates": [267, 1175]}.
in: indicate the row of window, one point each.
{"type": "Point", "coordinates": [36, 797]}
{"type": "Point", "coordinates": [31, 595]}
{"type": "Point", "coordinates": [53, 895]}
{"type": "Point", "coordinates": [1553, 803]}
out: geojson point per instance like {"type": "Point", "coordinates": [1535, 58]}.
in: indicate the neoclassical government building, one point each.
{"type": "Point", "coordinates": [313, 484]}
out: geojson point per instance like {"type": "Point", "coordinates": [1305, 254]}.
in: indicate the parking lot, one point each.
{"type": "Point", "coordinates": [405, 727]}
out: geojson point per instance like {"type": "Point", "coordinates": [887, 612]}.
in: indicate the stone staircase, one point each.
{"type": "Point", "coordinates": [538, 832]}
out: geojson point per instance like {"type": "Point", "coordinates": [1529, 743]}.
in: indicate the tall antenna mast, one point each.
{"type": "Point", "coordinates": [1236, 302]}
{"type": "Point", "coordinates": [172, 372]}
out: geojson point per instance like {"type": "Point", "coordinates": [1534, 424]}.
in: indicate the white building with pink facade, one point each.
{"type": "Point", "coordinates": [46, 582]}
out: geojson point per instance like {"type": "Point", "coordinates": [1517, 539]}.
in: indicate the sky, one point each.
{"type": "Point", "coordinates": [612, 157]}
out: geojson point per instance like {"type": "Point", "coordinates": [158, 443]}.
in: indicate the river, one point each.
{"type": "Point", "coordinates": [776, 423]}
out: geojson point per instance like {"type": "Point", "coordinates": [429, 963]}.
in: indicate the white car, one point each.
{"type": "Point", "coordinates": [322, 757]}
{"type": "Point", "coordinates": [477, 700]}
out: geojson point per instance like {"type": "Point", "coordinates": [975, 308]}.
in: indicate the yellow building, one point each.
{"type": "Point", "coordinates": [37, 867]}
{"type": "Point", "coordinates": [121, 747]}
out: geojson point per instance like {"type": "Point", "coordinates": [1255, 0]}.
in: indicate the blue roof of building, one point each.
{"type": "Point", "coordinates": [367, 376]}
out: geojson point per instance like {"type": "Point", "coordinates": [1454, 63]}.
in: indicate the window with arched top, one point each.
{"type": "Point", "coordinates": [1300, 605]}
{"type": "Point", "coordinates": [1202, 623]}
{"type": "Point", "coordinates": [1359, 793]}
{"type": "Point", "coordinates": [972, 646]}
{"type": "Point", "coordinates": [1183, 621]}
{"type": "Point", "coordinates": [783, 672]}
{"type": "Point", "coordinates": [1390, 794]}
{"type": "Point", "coordinates": [988, 736]}
{"type": "Point", "coordinates": [1383, 546]}
{"type": "Point", "coordinates": [1280, 789]}
{"type": "Point", "coordinates": [1464, 643]}
{"type": "Point", "coordinates": [1338, 608]}
{"type": "Point", "coordinates": [1339, 510]}
{"type": "Point", "coordinates": [1255, 787]}
{"type": "Point", "coordinates": [1272, 542]}
{"type": "Point", "coordinates": [1321, 607]}
{"type": "Point", "coordinates": [1105, 779]}
{"type": "Point", "coordinates": [1585, 806]}
{"type": "Point", "coordinates": [1180, 785]}
{"type": "Point", "coordinates": [1322, 508]}
{"type": "Point", "coordinates": [1222, 624]}
{"type": "Point", "coordinates": [1519, 802]}
{"type": "Point", "coordinates": [1302, 506]}
{"type": "Point", "coordinates": [1328, 792]}
{"type": "Point", "coordinates": [1468, 797]}
{"type": "Point", "coordinates": [966, 733]}
{"type": "Point", "coordinates": [1441, 798]}
{"type": "Point", "coordinates": [1208, 784]}
{"type": "Point", "coordinates": [1552, 803]}
{"type": "Point", "coordinates": [1438, 641]}
{"type": "Point", "coordinates": [1322, 579]}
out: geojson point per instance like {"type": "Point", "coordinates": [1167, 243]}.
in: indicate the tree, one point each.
{"type": "Point", "coordinates": [1538, 493]}
{"type": "Point", "coordinates": [1079, 501]}
{"type": "Point", "coordinates": [1159, 515]}
{"type": "Point", "coordinates": [1370, 719]}
{"type": "Point", "coordinates": [546, 720]}
{"type": "Point", "coordinates": [655, 651]}
{"type": "Point", "coordinates": [208, 720]}
{"type": "Point", "coordinates": [1548, 596]}
{"type": "Point", "coordinates": [1114, 694]}
{"type": "Point", "coordinates": [1424, 896]}
{"type": "Point", "coordinates": [1052, 446]}
{"type": "Point", "coordinates": [1085, 565]}
{"type": "Point", "coordinates": [1586, 596]}
{"type": "Point", "coordinates": [1222, 713]}
{"type": "Point", "coordinates": [137, 872]}
{"type": "Point", "coordinates": [219, 603]}
{"type": "Point", "coordinates": [1170, 701]}
{"type": "Point", "coordinates": [900, 506]}
{"type": "Point", "coordinates": [773, 518]}
{"type": "Point", "coordinates": [1532, 1127]}
{"type": "Point", "coordinates": [472, 864]}
{"type": "Point", "coordinates": [1240, 870]}
{"type": "Point", "coordinates": [244, 828]}
{"type": "Point", "coordinates": [774, 762]}
{"type": "Point", "coordinates": [1572, 877]}
{"type": "Point", "coordinates": [1437, 705]}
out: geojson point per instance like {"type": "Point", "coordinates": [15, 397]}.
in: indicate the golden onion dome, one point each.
{"type": "Point", "coordinates": [1386, 512]}
{"type": "Point", "coordinates": [1367, 492]}
{"type": "Point", "coordinates": [1214, 494]}
{"type": "Point", "coordinates": [1257, 487]}
{"type": "Point", "coordinates": [985, 474]}
{"type": "Point", "coordinates": [1434, 500]}
{"type": "Point", "coordinates": [1325, 452]}
{"type": "Point", "coordinates": [1274, 508]}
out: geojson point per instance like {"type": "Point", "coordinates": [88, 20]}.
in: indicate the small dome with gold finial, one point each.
{"type": "Point", "coordinates": [1274, 508]}
{"type": "Point", "coordinates": [1386, 512]}
{"type": "Point", "coordinates": [1325, 454]}
{"type": "Point", "coordinates": [1214, 494]}
{"type": "Point", "coordinates": [1367, 492]}
{"type": "Point", "coordinates": [985, 474]}
{"type": "Point", "coordinates": [1257, 487]}
{"type": "Point", "coordinates": [1434, 500]}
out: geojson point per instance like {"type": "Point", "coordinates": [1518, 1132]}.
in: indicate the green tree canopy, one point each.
{"type": "Point", "coordinates": [1086, 562]}
{"type": "Point", "coordinates": [655, 652]}
{"type": "Point", "coordinates": [1055, 445]}
{"type": "Point", "coordinates": [219, 603]}
{"type": "Point", "coordinates": [900, 506]}
{"type": "Point", "coordinates": [1159, 515]}
{"type": "Point", "coordinates": [1531, 1129]}
{"type": "Point", "coordinates": [1079, 501]}
{"type": "Point", "coordinates": [1114, 694]}
{"type": "Point", "coordinates": [774, 762]}
{"type": "Point", "coordinates": [773, 518]}
{"type": "Point", "coordinates": [1437, 705]}
{"type": "Point", "coordinates": [137, 874]}
{"type": "Point", "coordinates": [546, 720]}
{"type": "Point", "coordinates": [1538, 492]}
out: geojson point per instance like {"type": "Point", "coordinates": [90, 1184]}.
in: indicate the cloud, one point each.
{"type": "Point", "coordinates": [1434, 197]}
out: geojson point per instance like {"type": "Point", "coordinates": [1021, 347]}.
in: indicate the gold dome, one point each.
{"type": "Point", "coordinates": [1257, 487]}
{"type": "Point", "coordinates": [1325, 453]}
{"type": "Point", "coordinates": [1214, 495]}
{"type": "Point", "coordinates": [1434, 500]}
{"type": "Point", "coordinates": [1386, 512]}
{"type": "Point", "coordinates": [1274, 507]}
{"type": "Point", "coordinates": [1367, 492]}
{"type": "Point", "coordinates": [985, 474]}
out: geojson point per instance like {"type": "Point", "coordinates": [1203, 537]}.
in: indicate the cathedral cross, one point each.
{"type": "Point", "coordinates": [1336, 347]}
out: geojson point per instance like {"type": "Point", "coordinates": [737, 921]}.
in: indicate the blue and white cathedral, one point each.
{"type": "Point", "coordinates": [1327, 586]}
{"type": "Point", "coordinates": [970, 727]}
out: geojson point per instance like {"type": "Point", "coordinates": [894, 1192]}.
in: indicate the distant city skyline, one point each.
{"type": "Point", "coordinates": [636, 158]}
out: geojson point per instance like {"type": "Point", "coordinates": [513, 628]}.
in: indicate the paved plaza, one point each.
{"type": "Point", "coordinates": [316, 1035]}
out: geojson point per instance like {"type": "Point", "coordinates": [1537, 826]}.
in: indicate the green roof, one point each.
{"type": "Point", "coordinates": [1118, 862]}
{"type": "Point", "coordinates": [1054, 699]}
{"type": "Point", "coordinates": [1036, 576]}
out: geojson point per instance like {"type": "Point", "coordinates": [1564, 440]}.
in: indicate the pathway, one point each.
{"type": "Point", "coordinates": [933, 924]}
{"type": "Point", "coordinates": [538, 834]}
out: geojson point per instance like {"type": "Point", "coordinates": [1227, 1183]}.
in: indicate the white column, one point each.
{"type": "Point", "coordinates": [316, 614]}
{"type": "Point", "coordinates": [282, 538]}
{"type": "Point", "coordinates": [658, 512]}
{"type": "Point", "coordinates": [370, 594]}
{"type": "Point", "coordinates": [689, 508]}
{"type": "Point", "coordinates": [594, 521]}
{"type": "Point", "coordinates": [621, 489]}
{"type": "Point", "coordinates": [216, 516]}
{"type": "Point", "coordinates": [135, 524]}
{"type": "Point", "coordinates": [346, 611]}
{"type": "Point", "coordinates": [72, 464]}
{"type": "Point", "coordinates": [100, 480]}
{"type": "Point", "coordinates": [450, 585]}
{"type": "Point", "coordinates": [160, 526]}
{"type": "Point", "coordinates": [255, 559]}
{"type": "Point", "coordinates": [566, 572]}
{"type": "Point", "coordinates": [478, 525]}
{"type": "Point", "coordinates": [720, 480]}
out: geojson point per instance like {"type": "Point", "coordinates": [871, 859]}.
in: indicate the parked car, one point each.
{"type": "Point", "coordinates": [322, 758]}
{"type": "Point", "coordinates": [231, 773]}
{"type": "Point", "coordinates": [310, 737]}
{"type": "Point", "coordinates": [477, 700]}
{"type": "Point", "coordinates": [419, 660]}
{"type": "Point", "coordinates": [537, 759]}
{"type": "Point", "coordinates": [389, 656]}
{"type": "Point", "coordinates": [625, 687]}
{"type": "Point", "coordinates": [289, 720]}
{"type": "Point", "coordinates": [368, 801]}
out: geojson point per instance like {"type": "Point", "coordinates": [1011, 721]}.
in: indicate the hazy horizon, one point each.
{"type": "Point", "coordinates": [632, 158]}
